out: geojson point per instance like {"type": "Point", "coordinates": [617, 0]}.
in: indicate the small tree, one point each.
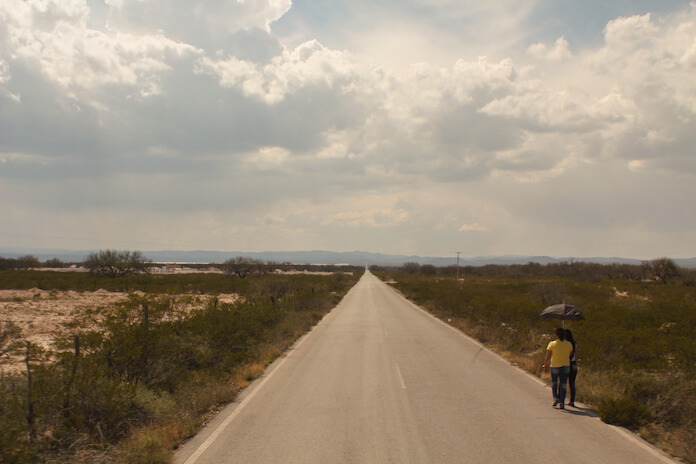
{"type": "Point", "coordinates": [428, 269]}
{"type": "Point", "coordinates": [664, 268]}
{"type": "Point", "coordinates": [55, 263]}
{"type": "Point", "coordinates": [411, 267]}
{"type": "Point", "coordinates": [28, 262]}
{"type": "Point", "coordinates": [115, 263]}
{"type": "Point", "coordinates": [242, 266]}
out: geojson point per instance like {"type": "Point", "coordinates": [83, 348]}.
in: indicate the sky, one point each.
{"type": "Point", "coordinates": [425, 127]}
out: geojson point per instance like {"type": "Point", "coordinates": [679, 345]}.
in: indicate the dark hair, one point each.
{"type": "Point", "coordinates": [560, 333]}
{"type": "Point", "coordinates": [569, 337]}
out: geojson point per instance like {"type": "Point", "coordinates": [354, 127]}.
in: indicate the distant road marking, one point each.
{"type": "Point", "coordinates": [384, 326]}
{"type": "Point", "coordinates": [221, 428]}
{"type": "Point", "coordinates": [401, 377]}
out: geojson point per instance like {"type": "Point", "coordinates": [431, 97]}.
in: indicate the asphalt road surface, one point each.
{"type": "Point", "coordinates": [380, 381]}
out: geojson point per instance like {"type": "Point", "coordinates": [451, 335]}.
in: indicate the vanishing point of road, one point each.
{"type": "Point", "coordinates": [378, 380]}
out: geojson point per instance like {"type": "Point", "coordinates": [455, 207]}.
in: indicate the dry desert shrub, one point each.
{"type": "Point", "coordinates": [128, 380]}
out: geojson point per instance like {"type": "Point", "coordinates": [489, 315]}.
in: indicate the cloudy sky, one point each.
{"type": "Point", "coordinates": [555, 127]}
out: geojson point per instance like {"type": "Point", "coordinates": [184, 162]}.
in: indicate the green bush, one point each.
{"type": "Point", "coordinates": [624, 412]}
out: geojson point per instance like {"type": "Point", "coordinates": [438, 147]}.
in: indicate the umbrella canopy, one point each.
{"type": "Point", "coordinates": [562, 311]}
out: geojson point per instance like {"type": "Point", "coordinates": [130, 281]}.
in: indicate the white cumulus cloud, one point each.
{"type": "Point", "coordinates": [307, 64]}
{"type": "Point", "coordinates": [560, 50]}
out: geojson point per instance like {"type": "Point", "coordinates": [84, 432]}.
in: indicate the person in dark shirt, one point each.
{"type": "Point", "coordinates": [573, 368]}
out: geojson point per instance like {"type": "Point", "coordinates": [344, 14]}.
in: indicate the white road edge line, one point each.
{"type": "Point", "coordinates": [658, 453]}
{"type": "Point", "coordinates": [220, 428]}
{"type": "Point", "coordinates": [401, 377]}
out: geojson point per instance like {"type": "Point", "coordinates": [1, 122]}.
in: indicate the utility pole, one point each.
{"type": "Point", "coordinates": [458, 265]}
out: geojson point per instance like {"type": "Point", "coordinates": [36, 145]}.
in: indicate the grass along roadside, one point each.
{"type": "Point", "coordinates": [637, 354]}
{"type": "Point", "coordinates": [149, 377]}
{"type": "Point", "coordinates": [203, 398]}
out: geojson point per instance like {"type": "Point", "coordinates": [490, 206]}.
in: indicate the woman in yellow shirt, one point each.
{"type": "Point", "coordinates": [558, 360]}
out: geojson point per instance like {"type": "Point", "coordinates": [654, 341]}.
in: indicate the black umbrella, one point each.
{"type": "Point", "coordinates": [562, 311]}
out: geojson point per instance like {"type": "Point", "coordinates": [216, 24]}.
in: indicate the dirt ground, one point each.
{"type": "Point", "coordinates": [42, 314]}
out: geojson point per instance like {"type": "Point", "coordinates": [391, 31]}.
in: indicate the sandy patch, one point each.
{"type": "Point", "coordinates": [43, 314]}
{"type": "Point", "coordinates": [40, 314]}
{"type": "Point", "coordinates": [620, 294]}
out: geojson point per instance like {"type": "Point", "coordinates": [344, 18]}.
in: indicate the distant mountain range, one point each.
{"type": "Point", "coordinates": [359, 258]}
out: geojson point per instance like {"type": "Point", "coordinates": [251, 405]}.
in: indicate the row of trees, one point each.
{"type": "Point", "coordinates": [119, 263]}
{"type": "Point", "coordinates": [105, 262]}
{"type": "Point", "coordinates": [660, 269]}
{"type": "Point", "coordinates": [29, 262]}
{"type": "Point", "coordinates": [114, 263]}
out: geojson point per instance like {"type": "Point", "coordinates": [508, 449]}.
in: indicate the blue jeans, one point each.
{"type": "Point", "coordinates": [571, 381]}
{"type": "Point", "coordinates": [559, 383]}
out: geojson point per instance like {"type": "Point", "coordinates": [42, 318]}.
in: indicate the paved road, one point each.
{"type": "Point", "coordinates": [380, 381]}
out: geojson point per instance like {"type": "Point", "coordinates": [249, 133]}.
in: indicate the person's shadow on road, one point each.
{"type": "Point", "coordinates": [579, 411]}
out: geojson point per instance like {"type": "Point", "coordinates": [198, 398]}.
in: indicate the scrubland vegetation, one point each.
{"type": "Point", "coordinates": [637, 346]}
{"type": "Point", "coordinates": [151, 375]}
{"type": "Point", "coordinates": [148, 377]}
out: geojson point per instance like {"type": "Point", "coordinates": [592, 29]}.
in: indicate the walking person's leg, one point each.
{"type": "Point", "coordinates": [562, 385]}
{"type": "Point", "coordinates": [555, 374]}
{"type": "Point", "coordinates": [571, 383]}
